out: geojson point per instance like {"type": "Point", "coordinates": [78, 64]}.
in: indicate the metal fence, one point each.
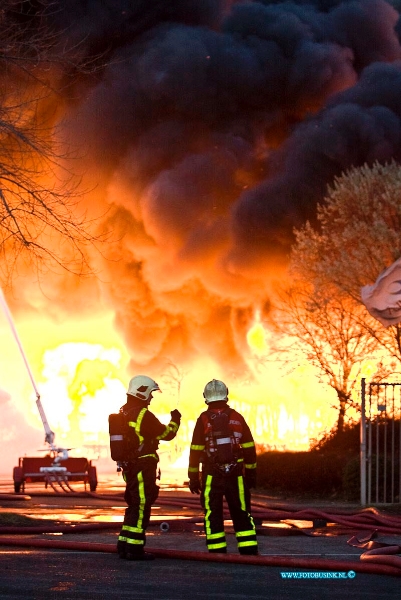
{"type": "Point", "coordinates": [380, 443]}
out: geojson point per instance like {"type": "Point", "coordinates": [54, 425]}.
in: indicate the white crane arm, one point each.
{"type": "Point", "coordinates": [49, 434]}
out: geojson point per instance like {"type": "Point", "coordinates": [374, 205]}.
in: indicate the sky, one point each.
{"type": "Point", "coordinates": [207, 132]}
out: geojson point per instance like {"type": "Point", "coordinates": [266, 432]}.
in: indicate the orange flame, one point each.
{"type": "Point", "coordinates": [82, 375]}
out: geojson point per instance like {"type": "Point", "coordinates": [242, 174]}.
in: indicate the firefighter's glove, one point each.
{"type": "Point", "coordinates": [194, 485]}
{"type": "Point", "coordinates": [250, 478]}
{"type": "Point", "coordinates": [176, 416]}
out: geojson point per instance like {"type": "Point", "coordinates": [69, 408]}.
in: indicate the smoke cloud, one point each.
{"type": "Point", "coordinates": [211, 130]}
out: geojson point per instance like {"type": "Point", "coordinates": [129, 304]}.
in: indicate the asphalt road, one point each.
{"type": "Point", "coordinates": [39, 575]}
{"type": "Point", "coordinates": [43, 574]}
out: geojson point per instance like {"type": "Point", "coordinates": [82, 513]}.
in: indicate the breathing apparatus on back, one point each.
{"type": "Point", "coordinates": [124, 443]}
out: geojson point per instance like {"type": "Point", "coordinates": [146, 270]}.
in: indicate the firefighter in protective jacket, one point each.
{"type": "Point", "coordinates": [223, 443]}
{"type": "Point", "coordinates": [144, 432]}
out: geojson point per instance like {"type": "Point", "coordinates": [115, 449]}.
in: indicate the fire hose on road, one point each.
{"type": "Point", "coordinates": [365, 566]}
{"type": "Point", "coordinates": [378, 558]}
{"type": "Point", "coordinates": [366, 519]}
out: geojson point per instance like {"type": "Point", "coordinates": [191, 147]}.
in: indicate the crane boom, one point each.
{"type": "Point", "coordinates": [49, 434]}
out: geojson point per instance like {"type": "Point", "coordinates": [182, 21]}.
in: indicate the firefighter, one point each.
{"type": "Point", "coordinates": [223, 443]}
{"type": "Point", "coordinates": [144, 431]}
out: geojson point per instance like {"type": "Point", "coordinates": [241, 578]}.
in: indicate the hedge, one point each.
{"type": "Point", "coordinates": [309, 473]}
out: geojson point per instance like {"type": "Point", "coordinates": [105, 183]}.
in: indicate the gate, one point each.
{"type": "Point", "coordinates": [380, 443]}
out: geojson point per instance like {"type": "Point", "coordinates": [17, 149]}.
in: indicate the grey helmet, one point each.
{"type": "Point", "coordinates": [214, 391]}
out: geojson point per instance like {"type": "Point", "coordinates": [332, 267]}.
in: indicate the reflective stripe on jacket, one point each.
{"type": "Point", "coordinates": [146, 430]}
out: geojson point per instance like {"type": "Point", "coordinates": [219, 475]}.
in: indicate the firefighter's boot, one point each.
{"type": "Point", "coordinates": [122, 549]}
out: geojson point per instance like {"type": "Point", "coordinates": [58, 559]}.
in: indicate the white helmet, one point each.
{"type": "Point", "coordinates": [141, 387]}
{"type": "Point", "coordinates": [215, 390]}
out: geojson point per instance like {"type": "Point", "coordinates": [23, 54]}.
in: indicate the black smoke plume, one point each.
{"type": "Point", "coordinates": [208, 131]}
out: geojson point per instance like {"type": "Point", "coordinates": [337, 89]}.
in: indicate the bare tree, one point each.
{"type": "Point", "coordinates": [39, 219]}
{"type": "Point", "coordinates": [324, 328]}
{"type": "Point", "coordinates": [359, 235]}
{"type": "Point", "coordinates": [174, 376]}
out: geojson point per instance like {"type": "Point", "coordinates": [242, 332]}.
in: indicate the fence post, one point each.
{"type": "Point", "coordinates": [363, 444]}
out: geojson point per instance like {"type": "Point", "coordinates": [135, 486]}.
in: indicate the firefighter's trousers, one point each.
{"type": "Point", "coordinates": [215, 486]}
{"type": "Point", "coordinates": [140, 493]}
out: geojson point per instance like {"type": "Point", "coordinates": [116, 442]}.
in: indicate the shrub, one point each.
{"type": "Point", "coordinates": [345, 442]}
{"type": "Point", "coordinates": [301, 473]}
{"type": "Point", "coordinates": [351, 482]}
